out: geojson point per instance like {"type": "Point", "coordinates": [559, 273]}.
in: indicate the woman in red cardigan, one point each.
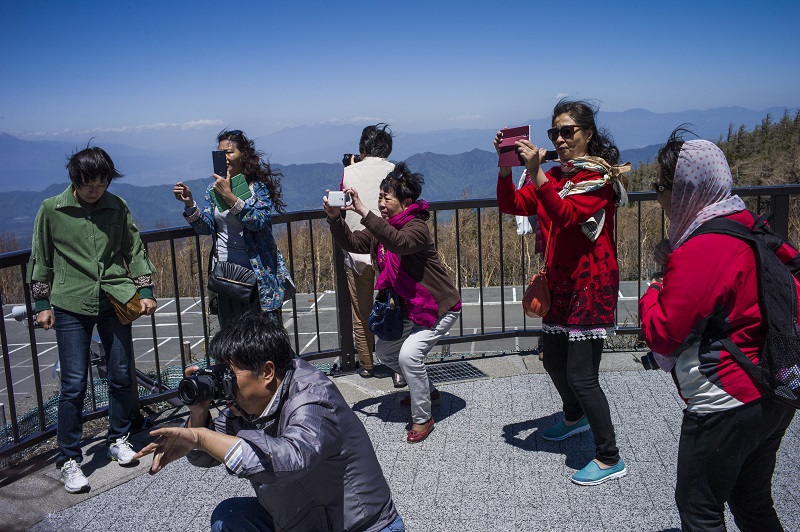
{"type": "Point", "coordinates": [575, 202]}
{"type": "Point", "coordinates": [731, 430]}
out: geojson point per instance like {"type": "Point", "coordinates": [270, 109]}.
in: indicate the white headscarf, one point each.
{"type": "Point", "coordinates": [701, 190]}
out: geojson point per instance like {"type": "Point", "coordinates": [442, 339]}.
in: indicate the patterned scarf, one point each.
{"type": "Point", "coordinates": [701, 190]}
{"type": "Point", "coordinates": [611, 175]}
{"type": "Point", "coordinates": [420, 303]}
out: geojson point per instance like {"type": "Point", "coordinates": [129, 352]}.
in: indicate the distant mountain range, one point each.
{"type": "Point", "coordinates": [455, 163]}
{"type": "Point", "coordinates": [447, 177]}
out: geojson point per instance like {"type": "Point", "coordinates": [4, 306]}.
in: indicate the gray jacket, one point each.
{"type": "Point", "coordinates": [312, 463]}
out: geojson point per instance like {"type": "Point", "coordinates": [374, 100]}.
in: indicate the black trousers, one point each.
{"type": "Point", "coordinates": [730, 456]}
{"type": "Point", "coordinates": [574, 368]}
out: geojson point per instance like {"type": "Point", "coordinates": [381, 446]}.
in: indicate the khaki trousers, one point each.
{"type": "Point", "coordinates": [362, 296]}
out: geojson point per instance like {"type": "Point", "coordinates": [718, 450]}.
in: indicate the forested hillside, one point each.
{"type": "Point", "coordinates": [767, 155]}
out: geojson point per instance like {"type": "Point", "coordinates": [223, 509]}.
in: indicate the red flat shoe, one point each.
{"type": "Point", "coordinates": [416, 437]}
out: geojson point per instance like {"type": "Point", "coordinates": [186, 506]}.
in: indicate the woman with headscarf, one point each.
{"type": "Point", "coordinates": [731, 429]}
{"type": "Point", "coordinates": [576, 203]}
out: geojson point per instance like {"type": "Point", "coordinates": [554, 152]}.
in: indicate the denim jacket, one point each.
{"type": "Point", "coordinates": [274, 280]}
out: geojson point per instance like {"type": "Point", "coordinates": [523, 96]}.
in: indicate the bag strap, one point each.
{"type": "Point", "coordinates": [547, 248]}
{"type": "Point", "coordinates": [778, 287]}
{"type": "Point", "coordinates": [212, 253]}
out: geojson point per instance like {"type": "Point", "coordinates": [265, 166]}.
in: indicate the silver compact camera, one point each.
{"type": "Point", "coordinates": [338, 198]}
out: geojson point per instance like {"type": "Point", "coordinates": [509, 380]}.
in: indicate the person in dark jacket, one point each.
{"type": "Point", "coordinates": [731, 430]}
{"type": "Point", "coordinates": [291, 433]}
{"type": "Point", "coordinates": [407, 261]}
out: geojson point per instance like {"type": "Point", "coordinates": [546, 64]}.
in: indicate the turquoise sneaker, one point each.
{"type": "Point", "coordinates": [560, 431]}
{"type": "Point", "coordinates": [593, 474]}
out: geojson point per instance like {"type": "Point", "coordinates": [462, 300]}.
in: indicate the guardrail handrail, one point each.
{"type": "Point", "coordinates": [158, 390]}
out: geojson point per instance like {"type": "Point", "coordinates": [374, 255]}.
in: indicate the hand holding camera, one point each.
{"type": "Point", "coordinates": [202, 386]}
{"type": "Point", "coordinates": [661, 254]}
{"type": "Point", "coordinates": [349, 158]}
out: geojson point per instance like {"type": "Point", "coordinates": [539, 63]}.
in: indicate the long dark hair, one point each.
{"type": "Point", "coordinates": [256, 165]}
{"type": "Point", "coordinates": [583, 113]}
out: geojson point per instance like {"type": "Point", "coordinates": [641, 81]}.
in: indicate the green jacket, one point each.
{"type": "Point", "coordinates": [81, 254]}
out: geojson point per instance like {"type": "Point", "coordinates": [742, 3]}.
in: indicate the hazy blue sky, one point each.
{"type": "Point", "coordinates": [81, 67]}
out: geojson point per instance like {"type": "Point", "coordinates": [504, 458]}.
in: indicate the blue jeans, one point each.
{"type": "Point", "coordinates": [244, 514]}
{"type": "Point", "coordinates": [73, 334]}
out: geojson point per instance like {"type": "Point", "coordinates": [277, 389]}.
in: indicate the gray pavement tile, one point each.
{"type": "Point", "coordinates": [485, 467]}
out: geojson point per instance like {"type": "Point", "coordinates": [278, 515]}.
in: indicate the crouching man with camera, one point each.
{"type": "Point", "coordinates": [289, 431]}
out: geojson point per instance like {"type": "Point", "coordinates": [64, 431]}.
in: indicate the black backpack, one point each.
{"type": "Point", "coordinates": [778, 369]}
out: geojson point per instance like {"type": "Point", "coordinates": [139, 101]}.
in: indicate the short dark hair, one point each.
{"type": "Point", "coordinates": [403, 183]}
{"type": "Point", "coordinates": [583, 113]}
{"type": "Point", "coordinates": [89, 164]}
{"type": "Point", "coordinates": [376, 141]}
{"type": "Point", "coordinates": [251, 340]}
{"type": "Point", "coordinates": [667, 158]}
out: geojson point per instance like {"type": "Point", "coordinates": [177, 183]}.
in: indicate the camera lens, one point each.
{"type": "Point", "coordinates": [347, 158]}
{"type": "Point", "coordinates": [197, 389]}
{"type": "Point", "coordinates": [187, 391]}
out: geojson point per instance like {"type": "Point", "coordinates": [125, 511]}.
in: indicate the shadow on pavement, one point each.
{"type": "Point", "coordinates": [578, 450]}
{"type": "Point", "coordinates": [387, 407]}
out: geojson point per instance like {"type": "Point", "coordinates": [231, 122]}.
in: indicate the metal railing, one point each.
{"type": "Point", "coordinates": [155, 386]}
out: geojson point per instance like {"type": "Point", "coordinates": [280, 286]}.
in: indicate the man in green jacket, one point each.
{"type": "Point", "coordinates": [85, 251]}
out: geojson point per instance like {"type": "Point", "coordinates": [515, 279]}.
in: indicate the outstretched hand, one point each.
{"type": "Point", "coordinates": [183, 193]}
{"type": "Point", "coordinates": [172, 444]}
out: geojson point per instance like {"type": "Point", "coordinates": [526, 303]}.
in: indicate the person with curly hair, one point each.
{"type": "Point", "coordinates": [243, 232]}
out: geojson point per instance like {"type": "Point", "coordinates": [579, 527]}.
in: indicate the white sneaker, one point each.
{"type": "Point", "coordinates": [73, 478]}
{"type": "Point", "coordinates": [121, 451]}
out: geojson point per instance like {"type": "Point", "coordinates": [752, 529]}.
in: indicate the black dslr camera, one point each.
{"type": "Point", "coordinates": [648, 361]}
{"type": "Point", "coordinates": [347, 156]}
{"type": "Point", "coordinates": [209, 384]}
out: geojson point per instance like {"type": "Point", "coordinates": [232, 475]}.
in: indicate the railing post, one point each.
{"type": "Point", "coordinates": [344, 311]}
{"type": "Point", "coordinates": [780, 209]}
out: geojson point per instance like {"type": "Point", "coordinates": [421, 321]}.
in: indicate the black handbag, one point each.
{"type": "Point", "coordinates": [234, 281]}
{"type": "Point", "coordinates": [230, 279]}
{"type": "Point", "coordinates": [386, 319]}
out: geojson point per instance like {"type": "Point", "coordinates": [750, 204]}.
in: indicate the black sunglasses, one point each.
{"type": "Point", "coordinates": [234, 133]}
{"type": "Point", "coordinates": [566, 132]}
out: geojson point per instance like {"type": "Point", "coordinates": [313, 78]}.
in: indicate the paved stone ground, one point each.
{"type": "Point", "coordinates": [484, 467]}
